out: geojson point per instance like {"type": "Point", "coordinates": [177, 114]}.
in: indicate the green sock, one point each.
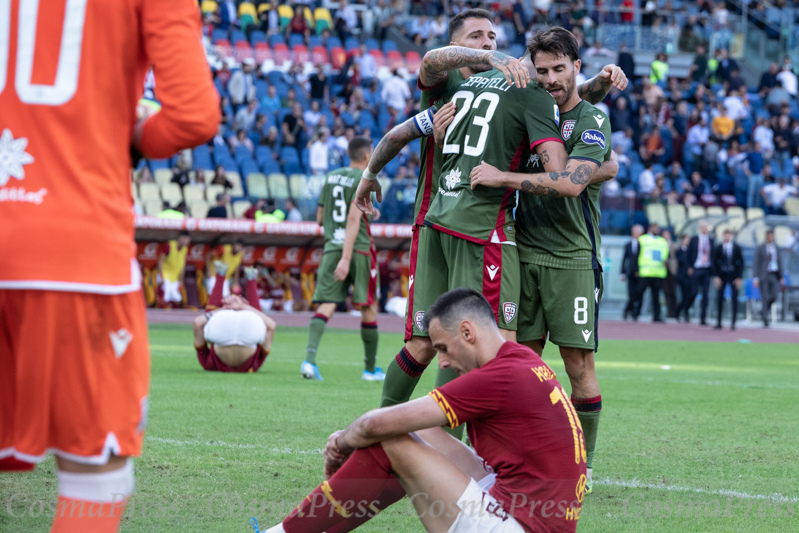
{"type": "Point", "coordinates": [369, 337]}
{"type": "Point", "coordinates": [588, 411]}
{"type": "Point", "coordinates": [442, 378]}
{"type": "Point", "coordinates": [402, 375]}
{"type": "Point", "coordinates": [315, 331]}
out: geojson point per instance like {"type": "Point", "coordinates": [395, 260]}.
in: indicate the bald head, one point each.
{"type": "Point", "coordinates": [637, 231]}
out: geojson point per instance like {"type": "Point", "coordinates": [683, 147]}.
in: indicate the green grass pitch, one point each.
{"type": "Point", "coordinates": [710, 425]}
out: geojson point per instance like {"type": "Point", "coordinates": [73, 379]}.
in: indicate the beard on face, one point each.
{"type": "Point", "coordinates": [565, 93]}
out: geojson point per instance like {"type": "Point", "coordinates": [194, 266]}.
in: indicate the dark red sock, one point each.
{"type": "Point", "coordinates": [252, 294]}
{"type": "Point", "coordinates": [393, 493]}
{"type": "Point", "coordinates": [215, 300]}
{"type": "Point", "coordinates": [350, 494]}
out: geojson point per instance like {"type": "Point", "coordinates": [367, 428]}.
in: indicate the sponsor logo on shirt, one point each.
{"type": "Point", "coordinates": [567, 129]}
{"type": "Point", "coordinates": [20, 194]}
{"type": "Point", "coordinates": [453, 179]}
{"type": "Point", "coordinates": [557, 114]}
{"type": "Point", "coordinates": [594, 137]}
{"type": "Point", "coordinates": [13, 157]}
{"type": "Point", "coordinates": [509, 309]}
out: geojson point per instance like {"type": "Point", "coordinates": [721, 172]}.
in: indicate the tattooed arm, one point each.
{"type": "Point", "coordinates": [569, 182]}
{"type": "Point", "coordinates": [594, 90]}
{"type": "Point", "coordinates": [436, 63]}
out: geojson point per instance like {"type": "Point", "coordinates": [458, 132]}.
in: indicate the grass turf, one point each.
{"type": "Point", "coordinates": [710, 424]}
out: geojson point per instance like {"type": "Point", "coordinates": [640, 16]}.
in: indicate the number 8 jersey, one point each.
{"type": "Point", "coordinates": [336, 198]}
{"type": "Point", "coordinates": [494, 122]}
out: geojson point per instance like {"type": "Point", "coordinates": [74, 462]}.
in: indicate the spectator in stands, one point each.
{"type": "Point", "coordinates": [652, 147]}
{"type": "Point", "coordinates": [290, 99]}
{"type": "Point", "coordinates": [368, 66]}
{"type": "Point", "coordinates": [652, 93]}
{"type": "Point", "coordinates": [270, 19]}
{"type": "Point", "coordinates": [346, 20]}
{"type": "Point", "coordinates": [499, 29]}
{"type": "Point", "coordinates": [358, 102]}
{"type": "Point", "coordinates": [784, 141]}
{"type": "Point", "coordinates": [659, 70]}
{"type": "Point", "coordinates": [396, 93]}
{"type": "Point", "coordinates": [418, 30]}
{"type": "Point", "coordinates": [736, 83]}
{"type": "Point", "coordinates": [777, 97]}
{"type": "Point", "coordinates": [318, 153]}
{"type": "Point", "coordinates": [674, 175]}
{"type": "Point", "coordinates": [269, 213]}
{"type": "Point", "coordinates": [298, 25]}
{"type": "Point", "coordinates": [294, 127]}
{"type": "Point", "coordinates": [680, 122]}
{"type": "Point", "coordinates": [312, 116]}
{"type": "Point", "coordinates": [220, 209]}
{"type": "Point", "coordinates": [768, 80]}
{"type": "Point", "coordinates": [223, 74]}
{"type": "Point", "coordinates": [723, 127]}
{"type": "Point", "coordinates": [623, 140]}
{"type": "Point", "coordinates": [220, 178]}
{"type": "Point", "coordinates": [241, 86]}
{"type": "Point", "coordinates": [598, 51]}
{"type": "Point", "coordinates": [144, 176]}
{"type": "Point", "coordinates": [626, 61]}
{"type": "Point", "coordinates": [228, 15]}
{"type": "Point", "coordinates": [241, 139]}
{"type": "Point", "coordinates": [226, 110]}
{"type": "Point", "coordinates": [319, 89]}
{"type": "Point", "coordinates": [735, 105]}
{"type": "Point", "coordinates": [257, 206]}
{"type": "Point", "coordinates": [699, 185]}
{"type": "Point", "coordinates": [787, 78]}
{"type": "Point", "coordinates": [726, 65]}
{"type": "Point", "coordinates": [646, 180]}
{"type": "Point", "coordinates": [768, 274]}
{"type": "Point", "coordinates": [294, 214]}
{"type": "Point", "coordinates": [698, 137]}
{"type": "Point", "coordinates": [270, 139]}
{"type": "Point", "coordinates": [689, 40]}
{"type": "Point", "coordinates": [271, 102]}
{"type": "Point", "coordinates": [245, 116]}
{"type": "Point", "coordinates": [775, 195]}
{"type": "Point", "coordinates": [698, 70]}
{"type": "Point", "coordinates": [346, 91]}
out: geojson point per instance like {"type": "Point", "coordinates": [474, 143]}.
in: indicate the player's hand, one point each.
{"type": "Point", "coordinates": [486, 175]}
{"type": "Point", "coordinates": [737, 283]}
{"type": "Point", "coordinates": [613, 75]}
{"type": "Point", "coordinates": [234, 302]}
{"type": "Point", "coordinates": [377, 215]}
{"type": "Point", "coordinates": [441, 121]}
{"type": "Point", "coordinates": [512, 68]}
{"type": "Point", "coordinates": [342, 269]}
{"type": "Point", "coordinates": [334, 457]}
{"type": "Point", "coordinates": [717, 282]}
{"type": "Point", "coordinates": [363, 196]}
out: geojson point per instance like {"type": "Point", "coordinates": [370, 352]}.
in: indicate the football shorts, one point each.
{"type": "Point", "coordinates": [563, 303]}
{"type": "Point", "coordinates": [235, 328]}
{"type": "Point", "coordinates": [364, 278]}
{"type": "Point", "coordinates": [75, 375]}
{"type": "Point", "coordinates": [172, 291]}
{"type": "Point", "coordinates": [481, 513]}
{"type": "Point", "coordinates": [440, 262]}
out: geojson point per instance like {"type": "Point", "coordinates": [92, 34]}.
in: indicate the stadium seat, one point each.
{"type": "Point", "coordinates": [162, 176]}
{"type": "Point", "coordinates": [152, 206]}
{"type": "Point", "coordinates": [394, 59]}
{"type": "Point", "coordinates": [295, 39]}
{"type": "Point", "coordinates": [199, 208]}
{"type": "Point", "coordinates": [751, 213]}
{"type": "Point", "coordinates": [155, 164]}
{"type": "Point", "coordinates": [371, 44]}
{"type": "Point", "coordinates": [242, 51]}
{"type": "Point", "coordinates": [278, 186]}
{"type": "Point", "coordinates": [351, 43]}
{"type": "Point", "coordinates": [248, 167]}
{"type": "Point", "coordinates": [380, 59]}
{"type": "Point", "coordinates": [208, 6]}
{"type": "Point", "coordinates": [413, 61]}
{"type": "Point", "coordinates": [337, 57]}
{"type": "Point", "coordinates": [286, 13]}
{"type": "Point", "coordinates": [792, 206]}
{"type": "Point", "coordinates": [696, 211]}
{"type": "Point", "coordinates": [781, 233]}
{"type": "Point", "coordinates": [172, 193]}
{"type": "Point", "coordinates": [218, 35]}
{"type": "Point", "coordinates": [240, 207]}
{"type": "Point", "coordinates": [289, 154]}
{"type": "Point", "coordinates": [256, 185]}
{"type": "Point", "coordinates": [236, 36]}
{"type": "Point", "coordinates": [301, 54]}
{"type": "Point", "coordinates": [241, 154]}
{"type": "Point", "coordinates": [319, 55]}
{"type": "Point", "coordinates": [211, 191]}
{"type": "Point", "coordinates": [389, 45]}
{"type": "Point", "coordinates": [149, 191]}
{"type": "Point", "coordinates": [347, 118]}
{"type": "Point", "coordinates": [257, 36]}
{"type": "Point", "coordinates": [280, 53]}
{"type": "Point", "coordinates": [235, 179]}
{"type": "Point", "coordinates": [298, 186]}
{"type": "Point", "coordinates": [323, 19]}
{"type": "Point", "coordinates": [248, 15]}
{"type": "Point", "coordinates": [657, 213]}
{"type": "Point", "coordinates": [270, 167]}
{"type": "Point", "coordinates": [193, 193]}
{"type": "Point", "coordinates": [292, 168]}
{"type": "Point", "coordinates": [715, 210]}
{"type": "Point", "coordinates": [224, 48]}
{"type": "Point", "coordinates": [263, 153]}
{"type": "Point", "coordinates": [309, 16]}
{"type": "Point", "coordinates": [620, 221]}
{"type": "Point", "coordinates": [334, 42]}
{"type": "Point", "coordinates": [676, 215]}
{"type": "Point", "coordinates": [367, 121]}
{"type": "Point", "coordinates": [262, 53]}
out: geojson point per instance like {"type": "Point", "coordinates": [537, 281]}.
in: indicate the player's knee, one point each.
{"type": "Point", "coordinates": [421, 349]}
{"type": "Point", "coordinates": [578, 362]}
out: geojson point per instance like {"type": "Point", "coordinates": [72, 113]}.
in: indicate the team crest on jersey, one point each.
{"type": "Point", "coordinates": [509, 308]}
{"type": "Point", "coordinates": [338, 235]}
{"type": "Point", "coordinates": [453, 178]}
{"type": "Point", "coordinates": [418, 318]}
{"type": "Point", "coordinates": [594, 137]}
{"type": "Point", "coordinates": [13, 157]}
{"type": "Point", "coordinates": [557, 114]}
{"type": "Point", "coordinates": [567, 129]}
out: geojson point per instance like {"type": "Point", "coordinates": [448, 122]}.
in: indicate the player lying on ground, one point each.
{"type": "Point", "coordinates": [558, 238]}
{"type": "Point", "coordinates": [346, 231]}
{"type": "Point", "coordinates": [527, 470]}
{"type": "Point", "coordinates": [233, 336]}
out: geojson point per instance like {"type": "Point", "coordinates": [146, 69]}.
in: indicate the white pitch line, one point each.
{"type": "Point", "coordinates": [635, 484]}
{"type": "Point", "coordinates": [697, 382]}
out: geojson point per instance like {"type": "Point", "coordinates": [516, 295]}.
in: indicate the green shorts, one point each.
{"type": "Point", "coordinates": [440, 262]}
{"type": "Point", "coordinates": [363, 277]}
{"type": "Point", "coordinates": [563, 303]}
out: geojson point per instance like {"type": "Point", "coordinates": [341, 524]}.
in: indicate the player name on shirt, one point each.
{"type": "Point", "coordinates": [345, 181]}
{"type": "Point", "coordinates": [499, 84]}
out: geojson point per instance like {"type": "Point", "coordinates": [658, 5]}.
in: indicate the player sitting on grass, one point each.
{"type": "Point", "coordinates": [349, 258]}
{"type": "Point", "coordinates": [233, 336]}
{"type": "Point", "coordinates": [520, 421]}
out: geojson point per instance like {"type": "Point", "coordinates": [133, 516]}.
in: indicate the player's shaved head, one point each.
{"type": "Point", "coordinates": [359, 148]}
{"type": "Point", "coordinates": [457, 305]}
{"type": "Point", "coordinates": [456, 23]}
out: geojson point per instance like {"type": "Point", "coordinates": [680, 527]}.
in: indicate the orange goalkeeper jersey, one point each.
{"type": "Point", "coordinates": [71, 73]}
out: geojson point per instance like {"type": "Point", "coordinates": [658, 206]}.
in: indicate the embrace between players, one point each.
{"type": "Point", "coordinates": [479, 278]}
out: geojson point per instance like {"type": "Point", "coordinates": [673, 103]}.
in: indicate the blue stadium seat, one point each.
{"type": "Point", "coordinates": [248, 167]}
{"type": "Point", "coordinates": [367, 121]}
{"type": "Point", "coordinates": [348, 119]}
{"type": "Point", "coordinates": [295, 39]}
{"type": "Point", "coordinates": [261, 88]}
{"type": "Point", "coordinates": [157, 164]}
{"type": "Point", "coordinates": [263, 154]}
{"type": "Point", "coordinates": [351, 43]}
{"type": "Point", "coordinates": [220, 88]}
{"type": "Point", "coordinates": [517, 50]}
{"type": "Point", "coordinates": [392, 167]}
{"type": "Point", "coordinates": [218, 34]}
{"type": "Point", "coordinates": [315, 40]}
{"type": "Point", "coordinates": [270, 166]}
{"type": "Point", "coordinates": [372, 44]}
{"type": "Point", "coordinates": [292, 168]}
{"type": "Point", "coordinates": [389, 45]}
{"type": "Point", "coordinates": [257, 36]}
{"type": "Point", "coordinates": [333, 42]}
{"type": "Point", "coordinates": [230, 166]}
{"type": "Point", "coordinates": [274, 77]}
{"type": "Point", "coordinates": [254, 136]}
{"type": "Point", "coordinates": [305, 158]}
{"type": "Point", "coordinates": [289, 154]}
{"type": "Point", "coordinates": [275, 39]}
{"type": "Point", "coordinates": [242, 154]}
{"type": "Point", "coordinates": [236, 36]}
{"type": "Point", "coordinates": [620, 221]}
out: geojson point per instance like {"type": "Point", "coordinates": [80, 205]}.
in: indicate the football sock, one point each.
{"type": "Point", "coordinates": [92, 503]}
{"type": "Point", "coordinates": [252, 294]}
{"type": "Point", "coordinates": [588, 411]}
{"type": "Point", "coordinates": [215, 300]}
{"type": "Point", "coordinates": [393, 493]}
{"type": "Point", "coordinates": [402, 375]}
{"type": "Point", "coordinates": [369, 337]}
{"type": "Point", "coordinates": [364, 477]}
{"type": "Point", "coordinates": [444, 376]}
{"type": "Point", "coordinates": [315, 331]}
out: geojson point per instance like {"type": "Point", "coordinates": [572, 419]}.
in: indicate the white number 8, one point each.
{"type": "Point", "coordinates": [580, 310]}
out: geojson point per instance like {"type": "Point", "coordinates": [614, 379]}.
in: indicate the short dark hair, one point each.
{"type": "Point", "coordinates": [184, 234]}
{"type": "Point", "coordinates": [557, 41]}
{"type": "Point", "coordinates": [456, 22]}
{"type": "Point", "coordinates": [358, 147]}
{"type": "Point", "coordinates": [459, 304]}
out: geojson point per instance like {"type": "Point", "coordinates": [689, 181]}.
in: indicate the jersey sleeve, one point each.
{"type": "Point", "coordinates": [472, 396]}
{"type": "Point", "coordinates": [594, 142]}
{"type": "Point", "coordinates": [190, 110]}
{"type": "Point", "coordinates": [541, 116]}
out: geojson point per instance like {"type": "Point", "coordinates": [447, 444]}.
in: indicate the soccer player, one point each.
{"type": "Point", "coordinates": [230, 255]}
{"type": "Point", "coordinates": [473, 48]}
{"type": "Point", "coordinates": [172, 266]}
{"type": "Point", "coordinates": [239, 334]}
{"type": "Point", "coordinates": [520, 477]}
{"type": "Point", "coordinates": [349, 259]}
{"type": "Point", "coordinates": [73, 331]}
{"type": "Point", "coordinates": [558, 238]}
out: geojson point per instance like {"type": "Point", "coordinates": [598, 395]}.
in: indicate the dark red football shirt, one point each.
{"type": "Point", "coordinates": [524, 425]}
{"type": "Point", "coordinates": [210, 361]}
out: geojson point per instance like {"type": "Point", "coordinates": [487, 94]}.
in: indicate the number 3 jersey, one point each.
{"type": "Point", "coordinates": [336, 198]}
{"type": "Point", "coordinates": [496, 123]}
{"type": "Point", "coordinates": [71, 73]}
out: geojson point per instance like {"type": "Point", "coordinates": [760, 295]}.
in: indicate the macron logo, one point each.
{"type": "Point", "coordinates": [596, 295]}
{"type": "Point", "coordinates": [599, 120]}
{"type": "Point", "coordinates": [120, 341]}
{"type": "Point", "coordinates": [410, 282]}
{"type": "Point", "coordinates": [492, 271]}
{"type": "Point", "coordinates": [374, 272]}
{"type": "Point", "coordinates": [586, 334]}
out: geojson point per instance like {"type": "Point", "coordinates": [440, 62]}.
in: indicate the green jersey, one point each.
{"type": "Point", "coordinates": [494, 122]}
{"type": "Point", "coordinates": [336, 198]}
{"type": "Point", "coordinates": [430, 154]}
{"type": "Point", "coordinates": [564, 232]}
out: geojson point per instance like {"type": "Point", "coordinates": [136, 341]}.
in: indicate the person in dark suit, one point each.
{"type": "Point", "coordinates": [728, 269]}
{"type": "Point", "coordinates": [768, 269]}
{"type": "Point", "coordinates": [700, 250]}
{"type": "Point", "coordinates": [683, 279]}
{"type": "Point", "coordinates": [629, 272]}
{"type": "Point", "coordinates": [626, 62]}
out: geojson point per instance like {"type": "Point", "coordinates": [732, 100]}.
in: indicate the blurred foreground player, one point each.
{"type": "Point", "coordinates": [73, 333]}
{"type": "Point", "coordinates": [234, 335]}
{"type": "Point", "coordinates": [521, 476]}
